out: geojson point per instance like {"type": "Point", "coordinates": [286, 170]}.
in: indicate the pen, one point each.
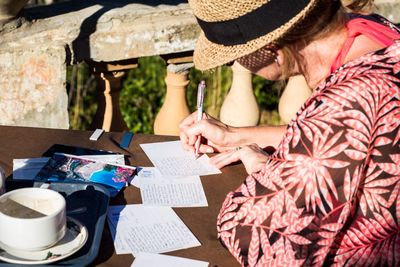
{"type": "Point", "coordinates": [200, 100]}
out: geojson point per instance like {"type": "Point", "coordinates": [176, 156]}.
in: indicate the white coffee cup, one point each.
{"type": "Point", "coordinates": [31, 219]}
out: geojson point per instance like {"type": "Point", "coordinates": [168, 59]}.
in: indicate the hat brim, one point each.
{"type": "Point", "coordinates": [208, 55]}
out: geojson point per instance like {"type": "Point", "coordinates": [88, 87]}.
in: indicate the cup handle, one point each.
{"type": "Point", "coordinates": [2, 181]}
{"type": "Point", "coordinates": [45, 186]}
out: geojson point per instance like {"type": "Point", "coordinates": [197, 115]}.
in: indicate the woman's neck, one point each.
{"type": "Point", "coordinates": [319, 56]}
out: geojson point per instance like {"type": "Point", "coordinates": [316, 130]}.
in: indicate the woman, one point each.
{"type": "Point", "coordinates": [329, 194]}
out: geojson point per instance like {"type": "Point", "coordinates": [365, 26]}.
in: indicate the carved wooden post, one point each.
{"type": "Point", "coordinates": [175, 108]}
{"type": "Point", "coordinates": [295, 94]}
{"type": "Point", "coordinates": [240, 107]}
{"type": "Point", "coordinates": [108, 115]}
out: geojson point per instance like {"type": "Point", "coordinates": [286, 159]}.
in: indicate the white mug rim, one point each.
{"type": "Point", "coordinates": [46, 191]}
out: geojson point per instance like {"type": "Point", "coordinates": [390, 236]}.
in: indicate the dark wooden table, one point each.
{"type": "Point", "coordinates": [24, 142]}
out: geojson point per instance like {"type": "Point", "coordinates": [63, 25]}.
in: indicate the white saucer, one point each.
{"type": "Point", "coordinates": [75, 237]}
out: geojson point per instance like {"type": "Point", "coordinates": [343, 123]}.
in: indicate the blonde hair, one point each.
{"type": "Point", "coordinates": [328, 17]}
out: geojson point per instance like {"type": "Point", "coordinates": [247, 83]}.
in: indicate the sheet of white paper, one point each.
{"type": "Point", "coordinates": [27, 169]}
{"type": "Point", "coordinates": [182, 192]}
{"type": "Point", "coordinates": [157, 260]}
{"type": "Point", "coordinates": [111, 159]}
{"type": "Point", "coordinates": [146, 173]}
{"type": "Point", "coordinates": [149, 229]}
{"type": "Point", "coordinates": [121, 247]}
{"type": "Point", "coordinates": [172, 160]}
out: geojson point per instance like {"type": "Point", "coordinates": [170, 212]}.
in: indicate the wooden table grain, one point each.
{"type": "Point", "coordinates": [26, 142]}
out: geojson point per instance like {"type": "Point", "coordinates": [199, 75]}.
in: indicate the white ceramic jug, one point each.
{"type": "Point", "coordinates": [240, 107]}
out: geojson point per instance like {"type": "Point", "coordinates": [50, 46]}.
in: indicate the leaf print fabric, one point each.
{"type": "Point", "coordinates": [330, 194]}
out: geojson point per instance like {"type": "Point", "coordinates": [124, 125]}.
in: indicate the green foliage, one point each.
{"type": "Point", "coordinates": [267, 93]}
{"type": "Point", "coordinates": [82, 96]}
{"type": "Point", "coordinates": [218, 82]}
{"type": "Point", "coordinates": [143, 92]}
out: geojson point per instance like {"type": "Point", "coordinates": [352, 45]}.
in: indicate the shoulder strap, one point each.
{"type": "Point", "coordinates": [375, 31]}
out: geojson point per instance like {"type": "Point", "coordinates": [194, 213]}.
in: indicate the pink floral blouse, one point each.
{"type": "Point", "coordinates": [329, 195]}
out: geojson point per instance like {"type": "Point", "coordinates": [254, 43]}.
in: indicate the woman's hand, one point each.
{"type": "Point", "coordinates": [213, 131]}
{"type": "Point", "coordinates": [252, 156]}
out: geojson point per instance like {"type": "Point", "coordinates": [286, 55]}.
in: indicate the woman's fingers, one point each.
{"type": "Point", "coordinates": [206, 149]}
{"type": "Point", "coordinates": [189, 131]}
{"type": "Point", "coordinates": [225, 158]}
{"type": "Point", "coordinates": [252, 156]}
{"type": "Point", "coordinates": [184, 141]}
{"type": "Point", "coordinates": [211, 131]}
{"type": "Point", "coordinates": [189, 120]}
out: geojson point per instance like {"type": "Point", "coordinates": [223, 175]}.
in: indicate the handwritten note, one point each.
{"type": "Point", "coordinates": [156, 260]}
{"type": "Point", "coordinates": [146, 173]}
{"type": "Point", "coordinates": [172, 191]}
{"type": "Point", "coordinates": [185, 192]}
{"type": "Point", "coordinates": [172, 160]}
{"type": "Point", "coordinates": [140, 228]}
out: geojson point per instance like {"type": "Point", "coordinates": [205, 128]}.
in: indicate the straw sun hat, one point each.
{"type": "Point", "coordinates": [234, 28]}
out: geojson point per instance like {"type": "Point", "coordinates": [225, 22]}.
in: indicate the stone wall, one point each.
{"type": "Point", "coordinates": [32, 87]}
{"type": "Point", "coordinates": [36, 48]}
{"type": "Point", "coordinates": [389, 9]}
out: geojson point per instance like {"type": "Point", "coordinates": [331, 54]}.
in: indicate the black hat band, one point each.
{"type": "Point", "coordinates": [254, 24]}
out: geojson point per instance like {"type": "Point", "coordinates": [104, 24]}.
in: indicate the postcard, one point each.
{"type": "Point", "coordinates": [139, 228]}
{"type": "Point", "coordinates": [172, 160]}
{"type": "Point", "coordinates": [27, 169]}
{"type": "Point", "coordinates": [61, 167]}
{"type": "Point", "coordinates": [172, 191]}
{"type": "Point", "coordinates": [144, 259]}
{"type": "Point", "coordinates": [183, 192]}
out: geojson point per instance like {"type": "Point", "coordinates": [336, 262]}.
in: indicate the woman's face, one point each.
{"type": "Point", "coordinates": [272, 72]}
{"type": "Point", "coordinates": [265, 62]}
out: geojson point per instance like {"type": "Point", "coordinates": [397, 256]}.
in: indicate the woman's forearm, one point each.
{"type": "Point", "coordinates": [263, 136]}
